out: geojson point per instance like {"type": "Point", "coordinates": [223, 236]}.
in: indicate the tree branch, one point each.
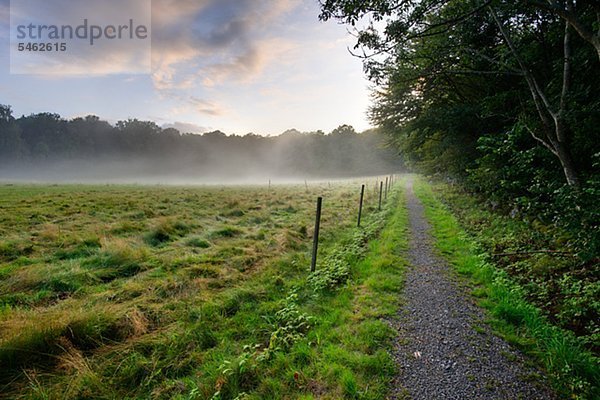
{"type": "Point", "coordinates": [542, 141]}
{"type": "Point", "coordinates": [448, 23]}
{"type": "Point", "coordinates": [566, 88]}
{"type": "Point", "coordinates": [477, 53]}
{"type": "Point", "coordinates": [540, 101]}
{"type": "Point", "coordinates": [569, 15]}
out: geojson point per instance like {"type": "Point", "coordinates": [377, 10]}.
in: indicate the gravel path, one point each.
{"type": "Point", "coordinates": [445, 350]}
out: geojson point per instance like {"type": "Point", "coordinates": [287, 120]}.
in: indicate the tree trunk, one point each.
{"type": "Point", "coordinates": [566, 161]}
{"type": "Point", "coordinates": [553, 122]}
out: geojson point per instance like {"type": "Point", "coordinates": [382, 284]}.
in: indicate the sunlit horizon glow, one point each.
{"type": "Point", "coordinates": [251, 66]}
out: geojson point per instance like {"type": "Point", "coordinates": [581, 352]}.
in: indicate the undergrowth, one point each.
{"type": "Point", "coordinates": [539, 256]}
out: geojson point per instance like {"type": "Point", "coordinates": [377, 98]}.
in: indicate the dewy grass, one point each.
{"type": "Point", "coordinates": [354, 334]}
{"type": "Point", "coordinates": [574, 371]}
{"type": "Point", "coordinates": [181, 319]}
{"type": "Point", "coordinates": [330, 343]}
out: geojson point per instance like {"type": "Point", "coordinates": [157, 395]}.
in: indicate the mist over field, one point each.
{"type": "Point", "coordinates": [47, 148]}
{"type": "Point", "coordinates": [172, 172]}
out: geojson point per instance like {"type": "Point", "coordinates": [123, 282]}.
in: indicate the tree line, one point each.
{"type": "Point", "coordinates": [31, 146]}
{"type": "Point", "coordinates": [501, 96]}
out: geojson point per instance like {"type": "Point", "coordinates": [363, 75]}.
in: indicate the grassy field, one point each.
{"type": "Point", "coordinates": [182, 292]}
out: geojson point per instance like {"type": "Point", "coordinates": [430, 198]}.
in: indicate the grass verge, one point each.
{"type": "Point", "coordinates": [573, 370]}
{"type": "Point", "coordinates": [329, 337]}
{"type": "Point", "coordinates": [352, 337]}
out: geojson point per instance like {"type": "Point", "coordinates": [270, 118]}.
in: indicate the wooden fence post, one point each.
{"type": "Point", "coordinates": [387, 178]}
{"type": "Point", "coordinates": [360, 208]}
{"type": "Point", "coordinates": [313, 264]}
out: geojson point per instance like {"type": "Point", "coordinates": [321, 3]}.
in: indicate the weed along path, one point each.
{"type": "Point", "coordinates": [445, 350]}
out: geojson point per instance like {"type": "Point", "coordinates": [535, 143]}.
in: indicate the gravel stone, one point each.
{"type": "Point", "coordinates": [439, 353]}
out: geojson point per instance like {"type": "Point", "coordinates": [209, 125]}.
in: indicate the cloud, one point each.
{"type": "Point", "coordinates": [204, 107]}
{"type": "Point", "coordinates": [199, 45]}
{"type": "Point", "coordinates": [212, 40]}
{"type": "Point", "coordinates": [190, 104]}
{"type": "Point", "coordinates": [110, 62]}
{"type": "Point", "coordinates": [117, 56]}
{"type": "Point", "coordinates": [186, 127]}
{"type": "Point", "coordinates": [194, 42]}
{"type": "Point", "coordinates": [244, 67]}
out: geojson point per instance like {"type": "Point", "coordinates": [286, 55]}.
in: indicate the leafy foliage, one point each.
{"type": "Point", "coordinates": [454, 93]}
{"type": "Point", "coordinates": [335, 270]}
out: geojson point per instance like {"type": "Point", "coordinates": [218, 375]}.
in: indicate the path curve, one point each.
{"type": "Point", "coordinates": [440, 353]}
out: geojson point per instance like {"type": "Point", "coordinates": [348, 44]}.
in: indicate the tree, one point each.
{"type": "Point", "coordinates": [45, 135]}
{"type": "Point", "coordinates": [555, 129]}
{"type": "Point", "coordinates": [343, 130]}
{"type": "Point", "coordinates": [580, 15]}
{"type": "Point", "coordinates": [431, 48]}
{"type": "Point", "coordinates": [5, 114]}
{"type": "Point", "coordinates": [10, 136]}
{"type": "Point", "coordinates": [91, 136]}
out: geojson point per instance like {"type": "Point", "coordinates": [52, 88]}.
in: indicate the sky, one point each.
{"type": "Point", "coordinates": [241, 66]}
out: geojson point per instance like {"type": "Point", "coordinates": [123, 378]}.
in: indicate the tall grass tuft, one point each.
{"type": "Point", "coordinates": [165, 231]}
{"type": "Point", "coordinates": [118, 258]}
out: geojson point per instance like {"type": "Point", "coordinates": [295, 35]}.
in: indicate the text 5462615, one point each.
{"type": "Point", "coordinates": [42, 47]}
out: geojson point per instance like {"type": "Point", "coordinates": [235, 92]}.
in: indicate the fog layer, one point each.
{"type": "Point", "coordinates": [46, 148]}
